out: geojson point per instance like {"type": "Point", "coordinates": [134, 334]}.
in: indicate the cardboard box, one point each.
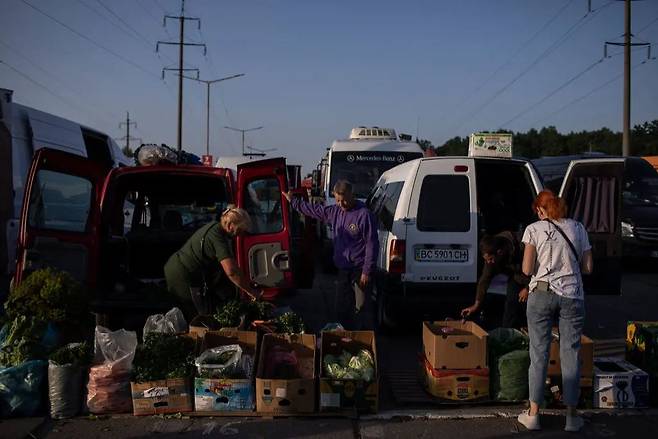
{"type": "Point", "coordinates": [346, 394]}
{"type": "Point", "coordinates": [224, 395]}
{"type": "Point", "coordinates": [455, 345]}
{"type": "Point", "coordinates": [455, 384]}
{"type": "Point", "coordinates": [642, 345]}
{"type": "Point", "coordinates": [202, 324]}
{"type": "Point", "coordinates": [619, 384]}
{"type": "Point", "coordinates": [586, 355]}
{"type": "Point", "coordinates": [281, 395]}
{"type": "Point", "coordinates": [164, 396]}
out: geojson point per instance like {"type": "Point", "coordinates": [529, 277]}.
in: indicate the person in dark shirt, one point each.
{"type": "Point", "coordinates": [502, 255]}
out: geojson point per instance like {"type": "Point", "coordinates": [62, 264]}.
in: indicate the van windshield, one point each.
{"type": "Point", "coordinates": [363, 168]}
{"type": "Point", "coordinates": [640, 184]}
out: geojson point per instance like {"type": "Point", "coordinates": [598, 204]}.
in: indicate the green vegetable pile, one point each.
{"type": "Point", "coordinates": [163, 356]}
{"type": "Point", "coordinates": [289, 323]}
{"type": "Point", "coordinates": [49, 296]}
{"type": "Point", "coordinates": [46, 297]}
{"type": "Point", "coordinates": [350, 367]}
{"type": "Point", "coordinates": [236, 313]}
{"type": "Point", "coordinates": [79, 354]}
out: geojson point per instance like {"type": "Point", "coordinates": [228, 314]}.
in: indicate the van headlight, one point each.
{"type": "Point", "coordinates": [627, 230]}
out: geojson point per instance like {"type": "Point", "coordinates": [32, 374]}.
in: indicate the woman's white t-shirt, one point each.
{"type": "Point", "coordinates": [556, 263]}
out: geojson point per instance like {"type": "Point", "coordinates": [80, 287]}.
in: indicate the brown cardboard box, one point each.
{"type": "Point", "coordinates": [458, 346]}
{"type": "Point", "coordinates": [278, 395]}
{"type": "Point", "coordinates": [163, 396]}
{"type": "Point", "coordinates": [454, 384]}
{"type": "Point", "coordinates": [202, 324]}
{"type": "Point", "coordinates": [586, 355]}
{"type": "Point", "coordinates": [222, 395]}
{"type": "Point", "coordinates": [345, 394]}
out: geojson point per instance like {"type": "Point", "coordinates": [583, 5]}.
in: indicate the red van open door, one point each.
{"type": "Point", "coordinates": [592, 191]}
{"type": "Point", "coordinates": [265, 251]}
{"type": "Point", "coordinates": [60, 216]}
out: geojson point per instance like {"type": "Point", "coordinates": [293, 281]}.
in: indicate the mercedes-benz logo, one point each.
{"type": "Point", "coordinates": [350, 158]}
{"type": "Point", "coordinates": [400, 158]}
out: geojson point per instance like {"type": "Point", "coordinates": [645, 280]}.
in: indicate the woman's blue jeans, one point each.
{"type": "Point", "coordinates": [543, 308]}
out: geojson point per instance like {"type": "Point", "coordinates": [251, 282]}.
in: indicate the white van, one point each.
{"type": "Point", "coordinates": [433, 211]}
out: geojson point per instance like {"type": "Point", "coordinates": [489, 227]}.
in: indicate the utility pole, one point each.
{"type": "Point", "coordinates": [628, 44]}
{"type": "Point", "coordinates": [208, 84]}
{"type": "Point", "coordinates": [126, 150]}
{"type": "Point", "coordinates": [181, 46]}
{"type": "Point", "coordinates": [240, 130]}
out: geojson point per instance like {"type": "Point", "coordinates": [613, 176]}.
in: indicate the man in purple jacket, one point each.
{"type": "Point", "coordinates": [355, 250]}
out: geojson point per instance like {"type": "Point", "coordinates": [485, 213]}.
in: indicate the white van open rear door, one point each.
{"type": "Point", "coordinates": [441, 238]}
{"type": "Point", "coordinates": [592, 191]}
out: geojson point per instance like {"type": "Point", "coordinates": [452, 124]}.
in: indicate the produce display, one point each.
{"type": "Point", "coordinates": [347, 366]}
{"type": "Point", "coordinates": [163, 356]}
{"type": "Point", "coordinates": [242, 313]}
{"type": "Point", "coordinates": [289, 323]}
{"type": "Point", "coordinates": [78, 354]}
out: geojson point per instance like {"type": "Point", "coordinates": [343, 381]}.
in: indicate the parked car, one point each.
{"type": "Point", "coordinates": [115, 229]}
{"type": "Point", "coordinates": [639, 211]}
{"type": "Point", "coordinates": [433, 211]}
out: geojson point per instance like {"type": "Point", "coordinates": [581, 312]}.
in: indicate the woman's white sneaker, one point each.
{"type": "Point", "coordinates": [574, 423]}
{"type": "Point", "coordinates": [529, 422]}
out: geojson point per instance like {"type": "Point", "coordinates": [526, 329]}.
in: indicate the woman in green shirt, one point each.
{"type": "Point", "coordinates": [196, 274]}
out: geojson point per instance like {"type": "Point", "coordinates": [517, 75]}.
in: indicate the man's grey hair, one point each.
{"type": "Point", "coordinates": [343, 187]}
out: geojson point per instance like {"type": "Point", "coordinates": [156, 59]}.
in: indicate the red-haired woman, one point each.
{"type": "Point", "coordinates": [557, 251]}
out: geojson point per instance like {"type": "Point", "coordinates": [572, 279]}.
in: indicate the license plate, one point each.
{"type": "Point", "coordinates": [441, 254]}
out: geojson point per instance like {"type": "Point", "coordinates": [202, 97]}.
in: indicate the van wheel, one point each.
{"type": "Point", "coordinates": [384, 321]}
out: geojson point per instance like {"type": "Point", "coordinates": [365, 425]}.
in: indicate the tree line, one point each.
{"type": "Point", "coordinates": [548, 141]}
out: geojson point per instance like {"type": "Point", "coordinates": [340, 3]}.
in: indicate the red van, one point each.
{"type": "Point", "coordinates": [114, 229]}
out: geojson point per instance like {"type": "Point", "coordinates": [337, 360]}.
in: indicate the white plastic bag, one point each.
{"type": "Point", "coordinates": [115, 349]}
{"type": "Point", "coordinates": [173, 322]}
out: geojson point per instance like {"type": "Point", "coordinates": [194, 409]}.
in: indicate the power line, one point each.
{"type": "Point", "coordinates": [515, 54]}
{"type": "Point", "coordinates": [38, 84]}
{"type": "Point", "coordinates": [86, 38]}
{"type": "Point", "coordinates": [655, 20]}
{"type": "Point", "coordinates": [586, 95]}
{"type": "Point", "coordinates": [552, 93]}
{"type": "Point", "coordinates": [125, 23]}
{"type": "Point", "coordinates": [561, 40]}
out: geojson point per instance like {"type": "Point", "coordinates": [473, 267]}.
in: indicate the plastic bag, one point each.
{"type": "Point", "coordinates": [20, 389]}
{"type": "Point", "coordinates": [281, 363]}
{"type": "Point", "coordinates": [173, 322]}
{"type": "Point", "coordinates": [219, 362]}
{"type": "Point", "coordinates": [504, 340]}
{"type": "Point", "coordinates": [109, 382]}
{"type": "Point", "coordinates": [152, 154]}
{"type": "Point", "coordinates": [350, 367]}
{"type": "Point", "coordinates": [510, 381]}
{"type": "Point", "coordinates": [115, 348]}
{"type": "Point", "coordinates": [64, 390]}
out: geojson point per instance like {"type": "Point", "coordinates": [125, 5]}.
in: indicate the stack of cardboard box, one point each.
{"type": "Point", "coordinates": [454, 365]}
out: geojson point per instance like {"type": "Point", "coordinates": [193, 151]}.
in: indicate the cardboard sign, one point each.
{"type": "Point", "coordinates": [490, 145]}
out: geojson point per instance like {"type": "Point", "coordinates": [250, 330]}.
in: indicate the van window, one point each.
{"type": "Point", "coordinates": [263, 203]}
{"type": "Point", "coordinates": [59, 202]}
{"type": "Point", "coordinates": [388, 205]}
{"type": "Point", "coordinates": [444, 204]}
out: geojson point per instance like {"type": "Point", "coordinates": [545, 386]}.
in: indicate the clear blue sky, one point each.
{"type": "Point", "coordinates": [314, 69]}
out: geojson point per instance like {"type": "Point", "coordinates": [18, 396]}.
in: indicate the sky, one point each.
{"type": "Point", "coordinates": [314, 69]}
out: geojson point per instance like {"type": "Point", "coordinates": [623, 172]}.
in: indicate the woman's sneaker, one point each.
{"type": "Point", "coordinates": [529, 422]}
{"type": "Point", "coordinates": [574, 423]}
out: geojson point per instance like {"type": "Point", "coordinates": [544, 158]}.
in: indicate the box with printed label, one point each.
{"type": "Point", "coordinates": [642, 345]}
{"type": "Point", "coordinates": [349, 377]}
{"type": "Point", "coordinates": [285, 377]}
{"type": "Point", "coordinates": [585, 355]}
{"type": "Point", "coordinates": [227, 394]}
{"type": "Point", "coordinates": [455, 384]}
{"type": "Point", "coordinates": [455, 345]}
{"type": "Point", "coordinates": [619, 384]}
{"type": "Point", "coordinates": [163, 396]}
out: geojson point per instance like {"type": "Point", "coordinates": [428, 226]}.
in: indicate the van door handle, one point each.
{"type": "Point", "coordinates": [281, 260]}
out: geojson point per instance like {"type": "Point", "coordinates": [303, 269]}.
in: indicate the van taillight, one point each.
{"type": "Point", "coordinates": [396, 257]}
